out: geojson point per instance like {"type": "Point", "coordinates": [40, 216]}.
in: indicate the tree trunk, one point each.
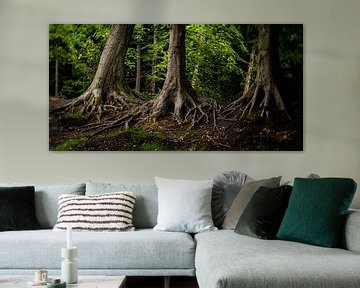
{"type": "Point", "coordinates": [249, 72]}
{"type": "Point", "coordinates": [267, 63]}
{"type": "Point", "coordinates": [108, 85]}
{"type": "Point", "coordinates": [138, 68]}
{"type": "Point", "coordinates": [154, 63]}
{"type": "Point", "coordinates": [174, 93]}
{"type": "Point", "coordinates": [195, 74]}
{"type": "Point", "coordinates": [56, 77]}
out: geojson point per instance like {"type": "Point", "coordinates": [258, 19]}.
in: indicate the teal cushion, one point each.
{"type": "Point", "coordinates": [316, 211]}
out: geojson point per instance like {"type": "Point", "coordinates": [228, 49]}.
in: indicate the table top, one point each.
{"type": "Point", "coordinates": [84, 281]}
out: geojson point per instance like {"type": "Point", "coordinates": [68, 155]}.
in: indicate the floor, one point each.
{"type": "Point", "coordinates": [158, 282]}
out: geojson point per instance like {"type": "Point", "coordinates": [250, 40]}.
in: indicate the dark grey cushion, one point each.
{"type": "Point", "coordinates": [17, 209]}
{"type": "Point", "coordinates": [263, 215]}
{"type": "Point", "coordinates": [243, 198]}
{"type": "Point", "coordinates": [225, 189]}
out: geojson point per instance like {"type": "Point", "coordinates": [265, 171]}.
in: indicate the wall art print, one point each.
{"type": "Point", "coordinates": [176, 87]}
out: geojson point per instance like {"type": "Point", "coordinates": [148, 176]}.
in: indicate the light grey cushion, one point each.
{"type": "Point", "coordinates": [225, 259]}
{"type": "Point", "coordinates": [351, 231]}
{"type": "Point", "coordinates": [310, 176]}
{"type": "Point", "coordinates": [105, 212]}
{"type": "Point", "coordinates": [184, 205]}
{"type": "Point", "coordinates": [146, 204]}
{"type": "Point", "coordinates": [46, 200]}
{"type": "Point", "coordinates": [243, 198]}
{"type": "Point", "coordinates": [226, 187]}
{"type": "Point", "coordinates": [137, 250]}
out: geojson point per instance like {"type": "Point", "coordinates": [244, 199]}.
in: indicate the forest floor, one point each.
{"type": "Point", "coordinates": [252, 133]}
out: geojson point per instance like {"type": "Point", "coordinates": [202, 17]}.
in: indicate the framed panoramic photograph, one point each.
{"type": "Point", "coordinates": [176, 87]}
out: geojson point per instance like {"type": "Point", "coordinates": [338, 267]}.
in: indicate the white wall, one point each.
{"type": "Point", "coordinates": [332, 91]}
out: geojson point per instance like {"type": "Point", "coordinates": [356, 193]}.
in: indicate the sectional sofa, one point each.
{"type": "Point", "coordinates": [218, 259]}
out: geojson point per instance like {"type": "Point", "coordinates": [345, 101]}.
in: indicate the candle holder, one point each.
{"type": "Point", "coordinates": [69, 271]}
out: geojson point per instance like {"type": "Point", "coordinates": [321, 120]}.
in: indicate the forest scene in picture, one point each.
{"type": "Point", "coordinates": [176, 87]}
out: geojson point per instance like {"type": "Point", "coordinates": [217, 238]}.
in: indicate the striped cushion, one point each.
{"type": "Point", "coordinates": [105, 212]}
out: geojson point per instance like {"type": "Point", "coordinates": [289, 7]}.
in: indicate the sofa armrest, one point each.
{"type": "Point", "coordinates": [351, 234]}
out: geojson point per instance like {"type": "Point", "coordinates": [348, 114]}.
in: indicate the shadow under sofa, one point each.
{"type": "Point", "coordinates": [220, 259]}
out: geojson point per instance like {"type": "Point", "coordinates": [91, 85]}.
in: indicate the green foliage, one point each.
{"type": "Point", "coordinates": [69, 145]}
{"type": "Point", "coordinates": [135, 136]}
{"type": "Point", "coordinates": [139, 33]}
{"type": "Point", "coordinates": [152, 146]}
{"type": "Point", "coordinates": [153, 53]}
{"type": "Point", "coordinates": [141, 139]}
{"type": "Point", "coordinates": [78, 49]}
{"type": "Point", "coordinates": [131, 57]}
{"type": "Point", "coordinates": [159, 50]}
{"type": "Point", "coordinates": [132, 132]}
{"type": "Point", "coordinates": [217, 57]}
{"type": "Point", "coordinates": [213, 57]}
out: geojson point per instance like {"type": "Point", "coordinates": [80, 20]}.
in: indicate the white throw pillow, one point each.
{"type": "Point", "coordinates": [184, 205]}
{"type": "Point", "coordinates": [105, 212]}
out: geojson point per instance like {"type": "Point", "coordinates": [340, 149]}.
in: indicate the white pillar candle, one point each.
{"type": "Point", "coordinates": [69, 237]}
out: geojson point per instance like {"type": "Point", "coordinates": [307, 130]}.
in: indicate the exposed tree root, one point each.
{"type": "Point", "coordinates": [92, 103]}
{"type": "Point", "coordinates": [116, 113]}
{"type": "Point", "coordinates": [120, 118]}
{"type": "Point", "coordinates": [188, 108]}
{"type": "Point", "coordinates": [264, 80]}
{"type": "Point", "coordinates": [245, 104]}
{"type": "Point", "coordinates": [177, 96]}
{"type": "Point", "coordinates": [204, 112]}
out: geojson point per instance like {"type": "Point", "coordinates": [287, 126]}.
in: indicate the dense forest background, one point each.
{"type": "Point", "coordinates": [220, 71]}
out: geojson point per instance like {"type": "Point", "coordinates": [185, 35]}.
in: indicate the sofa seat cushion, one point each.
{"type": "Point", "coordinates": [226, 259]}
{"type": "Point", "coordinates": [138, 250]}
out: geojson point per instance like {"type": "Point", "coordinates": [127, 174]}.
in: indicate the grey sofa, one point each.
{"type": "Point", "coordinates": [218, 259]}
{"type": "Point", "coordinates": [143, 252]}
{"type": "Point", "coordinates": [226, 259]}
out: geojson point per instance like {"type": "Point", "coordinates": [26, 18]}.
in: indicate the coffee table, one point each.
{"type": "Point", "coordinates": [84, 281]}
